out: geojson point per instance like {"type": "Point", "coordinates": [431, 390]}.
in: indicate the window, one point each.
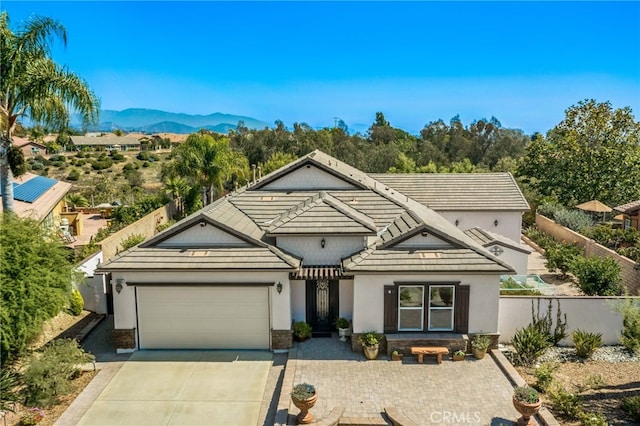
{"type": "Point", "coordinates": [441, 302]}
{"type": "Point", "coordinates": [410, 308]}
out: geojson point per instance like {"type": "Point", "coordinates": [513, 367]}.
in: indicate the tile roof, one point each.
{"type": "Point", "coordinates": [459, 191]}
{"type": "Point", "coordinates": [411, 260]}
{"type": "Point", "coordinates": [322, 214]}
{"type": "Point", "coordinates": [628, 207]}
{"type": "Point", "coordinates": [198, 259]}
{"type": "Point", "coordinates": [486, 238]}
{"type": "Point", "coordinates": [104, 140]}
{"type": "Point", "coordinates": [256, 214]}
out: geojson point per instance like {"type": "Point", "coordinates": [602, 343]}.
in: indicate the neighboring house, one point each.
{"type": "Point", "coordinates": [314, 240]}
{"type": "Point", "coordinates": [39, 198]}
{"type": "Point", "coordinates": [29, 148]}
{"type": "Point", "coordinates": [108, 143]}
{"type": "Point", "coordinates": [631, 212]}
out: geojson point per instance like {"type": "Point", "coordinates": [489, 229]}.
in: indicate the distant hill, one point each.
{"type": "Point", "coordinates": [156, 121]}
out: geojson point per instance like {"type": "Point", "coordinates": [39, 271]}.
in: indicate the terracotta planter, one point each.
{"type": "Point", "coordinates": [300, 338]}
{"type": "Point", "coordinates": [397, 357]}
{"type": "Point", "coordinates": [304, 405]}
{"type": "Point", "coordinates": [527, 411]}
{"type": "Point", "coordinates": [479, 353]}
{"type": "Point", "coordinates": [371, 352]}
{"type": "Point", "coordinates": [458, 357]}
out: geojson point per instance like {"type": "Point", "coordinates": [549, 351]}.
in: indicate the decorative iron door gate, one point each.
{"type": "Point", "coordinates": [322, 304]}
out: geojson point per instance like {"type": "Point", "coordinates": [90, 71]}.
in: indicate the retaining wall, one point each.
{"type": "Point", "coordinates": [630, 270]}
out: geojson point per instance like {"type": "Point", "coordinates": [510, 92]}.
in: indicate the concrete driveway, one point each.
{"type": "Point", "coordinates": [183, 388]}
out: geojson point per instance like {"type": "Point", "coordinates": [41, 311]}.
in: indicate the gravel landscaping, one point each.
{"type": "Point", "coordinates": [611, 374]}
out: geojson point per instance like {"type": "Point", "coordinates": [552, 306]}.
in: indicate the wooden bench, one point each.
{"type": "Point", "coordinates": [421, 351]}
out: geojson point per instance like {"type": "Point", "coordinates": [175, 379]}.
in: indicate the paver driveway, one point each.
{"type": "Point", "coordinates": [184, 388]}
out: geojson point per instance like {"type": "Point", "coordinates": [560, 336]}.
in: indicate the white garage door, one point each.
{"type": "Point", "coordinates": [203, 317]}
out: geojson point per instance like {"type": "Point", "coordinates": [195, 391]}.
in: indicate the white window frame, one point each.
{"type": "Point", "coordinates": [436, 308]}
{"type": "Point", "coordinates": [421, 308]}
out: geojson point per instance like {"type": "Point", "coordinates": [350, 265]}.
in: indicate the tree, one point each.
{"type": "Point", "coordinates": [33, 85]}
{"type": "Point", "coordinates": [210, 163]}
{"type": "Point", "coordinates": [36, 275]}
{"type": "Point", "coordinates": [276, 161]}
{"type": "Point", "coordinates": [594, 153]}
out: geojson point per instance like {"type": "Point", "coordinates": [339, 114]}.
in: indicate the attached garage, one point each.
{"type": "Point", "coordinates": [172, 317]}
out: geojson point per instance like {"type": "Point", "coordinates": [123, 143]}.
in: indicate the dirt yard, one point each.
{"type": "Point", "coordinates": [601, 384]}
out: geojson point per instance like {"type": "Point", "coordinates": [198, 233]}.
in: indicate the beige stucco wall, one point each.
{"type": "Point", "coordinates": [509, 223]}
{"type": "Point", "coordinates": [368, 299]}
{"type": "Point", "coordinates": [592, 314]}
{"type": "Point", "coordinates": [518, 260]}
{"type": "Point", "coordinates": [346, 299]}
{"type": "Point", "coordinates": [308, 178]}
{"type": "Point", "coordinates": [124, 303]}
{"type": "Point", "coordinates": [298, 300]}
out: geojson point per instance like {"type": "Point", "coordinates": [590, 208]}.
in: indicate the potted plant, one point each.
{"type": "Point", "coordinates": [459, 355]}
{"type": "Point", "coordinates": [370, 342]}
{"type": "Point", "coordinates": [526, 401]}
{"type": "Point", "coordinates": [304, 397]}
{"type": "Point", "coordinates": [480, 344]}
{"type": "Point", "coordinates": [301, 331]}
{"type": "Point", "coordinates": [396, 356]}
{"type": "Point", "coordinates": [342, 324]}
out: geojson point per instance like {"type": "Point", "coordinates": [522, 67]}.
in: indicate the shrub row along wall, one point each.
{"type": "Point", "coordinates": [146, 226]}
{"type": "Point", "coordinates": [594, 314]}
{"type": "Point", "coordinates": [630, 270]}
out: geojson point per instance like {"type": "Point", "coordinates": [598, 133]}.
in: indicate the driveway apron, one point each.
{"type": "Point", "coordinates": [184, 388]}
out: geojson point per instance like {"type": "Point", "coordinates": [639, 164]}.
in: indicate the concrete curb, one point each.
{"type": "Point", "coordinates": [544, 416]}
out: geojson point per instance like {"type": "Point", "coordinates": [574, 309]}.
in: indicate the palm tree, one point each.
{"type": "Point", "coordinates": [209, 163]}
{"type": "Point", "coordinates": [33, 85]}
{"type": "Point", "coordinates": [75, 200]}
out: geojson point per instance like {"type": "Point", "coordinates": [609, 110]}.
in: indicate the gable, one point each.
{"type": "Point", "coordinates": [427, 241]}
{"type": "Point", "coordinates": [307, 177]}
{"type": "Point", "coordinates": [203, 236]}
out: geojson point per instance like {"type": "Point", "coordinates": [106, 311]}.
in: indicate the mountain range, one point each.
{"type": "Point", "coordinates": [156, 121]}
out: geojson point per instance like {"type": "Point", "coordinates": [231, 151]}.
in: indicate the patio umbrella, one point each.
{"type": "Point", "coordinates": [595, 206]}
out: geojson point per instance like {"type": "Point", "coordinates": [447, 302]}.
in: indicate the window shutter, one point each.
{"type": "Point", "coordinates": [461, 319]}
{"type": "Point", "coordinates": [390, 309]}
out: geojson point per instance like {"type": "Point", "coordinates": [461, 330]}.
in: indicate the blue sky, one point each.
{"type": "Point", "coordinates": [522, 62]}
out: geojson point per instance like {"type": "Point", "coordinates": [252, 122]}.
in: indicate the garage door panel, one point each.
{"type": "Point", "coordinates": [203, 317]}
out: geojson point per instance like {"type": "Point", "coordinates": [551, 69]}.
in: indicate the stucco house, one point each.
{"type": "Point", "coordinates": [29, 148]}
{"type": "Point", "coordinates": [312, 241]}
{"type": "Point", "coordinates": [108, 143]}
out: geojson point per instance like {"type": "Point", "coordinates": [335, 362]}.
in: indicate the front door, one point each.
{"type": "Point", "coordinates": [322, 304]}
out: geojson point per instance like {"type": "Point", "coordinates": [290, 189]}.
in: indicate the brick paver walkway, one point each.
{"type": "Point", "coordinates": [468, 392]}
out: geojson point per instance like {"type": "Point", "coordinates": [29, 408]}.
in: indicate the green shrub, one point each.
{"type": "Point", "coordinates": [57, 158]}
{"type": "Point", "coordinates": [73, 175]}
{"type": "Point", "coordinates": [598, 276]}
{"type": "Point", "coordinates": [545, 322]}
{"type": "Point", "coordinates": [565, 403]}
{"type": "Point", "coordinates": [632, 253]}
{"type": "Point", "coordinates": [302, 329]}
{"type": "Point", "coordinates": [586, 343]}
{"type": "Point", "coordinates": [76, 304]}
{"type": "Point", "coordinates": [562, 256]}
{"type": "Point", "coordinates": [592, 419]}
{"type": "Point", "coordinates": [146, 164]}
{"type": "Point", "coordinates": [101, 164]}
{"type": "Point", "coordinates": [131, 241]}
{"type": "Point", "coordinates": [9, 383]}
{"type": "Point", "coordinates": [575, 220]}
{"type": "Point", "coordinates": [143, 155]}
{"type": "Point", "coordinates": [48, 374]}
{"type": "Point", "coordinates": [631, 406]}
{"type": "Point", "coordinates": [544, 376]}
{"type": "Point", "coordinates": [630, 335]}
{"type": "Point", "coordinates": [529, 344]}
{"type": "Point", "coordinates": [548, 210]}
